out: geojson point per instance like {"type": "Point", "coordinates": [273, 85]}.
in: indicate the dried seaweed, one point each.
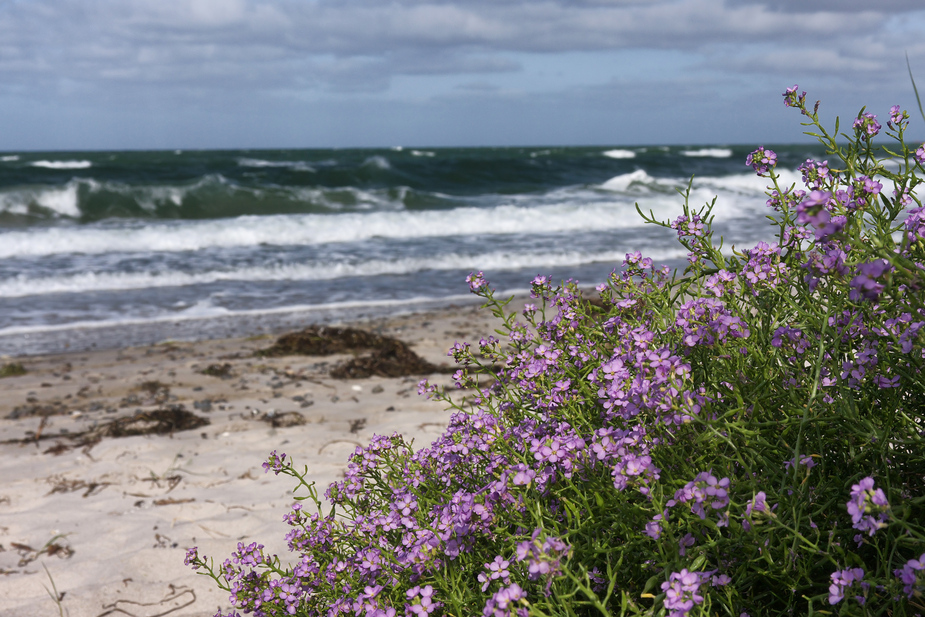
{"type": "Point", "coordinates": [12, 369]}
{"type": "Point", "coordinates": [322, 341]}
{"type": "Point", "coordinates": [392, 358]}
{"type": "Point", "coordinates": [222, 371]}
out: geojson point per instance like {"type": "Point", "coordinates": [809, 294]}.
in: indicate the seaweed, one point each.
{"type": "Point", "coordinates": [12, 369]}
{"type": "Point", "coordinates": [389, 357]}
{"type": "Point", "coordinates": [322, 341]}
{"type": "Point", "coordinates": [392, 358]}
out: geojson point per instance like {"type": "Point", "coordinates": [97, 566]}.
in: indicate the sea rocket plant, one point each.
{"type": "Point", "coordinates": [671, 446]}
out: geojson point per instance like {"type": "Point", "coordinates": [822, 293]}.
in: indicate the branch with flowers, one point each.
{"type": "Point", "coordinates": [746, 440]}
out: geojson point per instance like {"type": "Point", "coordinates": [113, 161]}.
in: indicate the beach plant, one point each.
{"type": "Point", "coordinates": [747, 438]}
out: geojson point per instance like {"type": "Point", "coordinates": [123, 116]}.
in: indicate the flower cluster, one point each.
{"type": "Point", "coordinates": [665, 430]}
{"type": "Point", "coordinates": [866, 126]}
{"type": "Point", "coordinates": [762, 160]}
{"type": "Point", "coordinates": [868, 507]}
{"type": "Point", "coordinates": [912, 575]}
{"type": "Point", "coordinates": [681, 592]}
{"type": "Point", "coordinates": [847, 580]}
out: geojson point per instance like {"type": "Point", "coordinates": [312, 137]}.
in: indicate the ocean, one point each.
{"type": "Point", "coordinates": [105, 249]}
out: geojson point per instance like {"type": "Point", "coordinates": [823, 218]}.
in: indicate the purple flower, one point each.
{"type": "Point", "coordinates": [864, 189]}
{"type": "Point", "coordinates": [502, 603]}
{"type": "Point", "coordinates": [192, 557]}
{"type": "Point", "coordinates": [806, 461]}
{"type": "Point", "coordinates": [685, 543]}
{"type": "Point", "coordinates": [763, 269]}
{"type": "Point", "coordinates": [720, 580]}
{"type": "Point", "coordinates": [544, 558]}
{"type": "Point", "coordinates": [758, 505]}
{"type": "Point", "coordinates": [477, 282]}
{"type": "Point", "coordinates": [842, 580]}
{"type": "Point", "coordinates": [813, 209]}
{"type": "Point", "coordinates": [762, 160]}
{"type": "Point", "coordinates": [705, 488]}
{"type": "Point", "coordinates": [274, 463]}
{"type": "Point", "coordinates": [422, 600]}
{"type": "Point", "coordinates": [717, 283]}
{"type": "Point", "coordinates": [865, 284]}
{"type": "Point", "coordinates": [866, 125]}
{"type": "Point", "coordinates": [815, 175]}
{"type": "Point", "coordinates": [681, 592]}
{"type": "Point", "coordinates": [654, 527]}
{"type": "Point", "coordinates": [920, 155]}
{"type": "Point", "coordinates": [868, 507]}
{"type": "Point", "coordinates": [897, 116]}
{"type": "Point", "coordinates": [909, 574]}
{"type": "Point", "coordinates": [791, 99]}
{"type": "Point", "coordinates": [497, 569]}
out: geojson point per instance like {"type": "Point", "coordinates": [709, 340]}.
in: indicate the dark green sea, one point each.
{"type": "Point", "coordinates": [113, 248]}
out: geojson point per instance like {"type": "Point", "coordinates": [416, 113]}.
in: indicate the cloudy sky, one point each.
{"type": "Point", "coordinates": [114, 74]}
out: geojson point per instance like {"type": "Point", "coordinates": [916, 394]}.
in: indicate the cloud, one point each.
{"type": "Point", "coordinates": [113, 41]}
{"type": "Point", "coordinates": [213, 54]}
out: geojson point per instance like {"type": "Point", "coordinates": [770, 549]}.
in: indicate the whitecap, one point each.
{"type": "Point", "coordinates": [624, 181]}
{"type": "Point", "coordinates": [313, 271]}
{"type": "Point", "coordinates": [62, 164]}
{"type": "Point", "coordinates": [294, 165]}
{"type": "Point", "coordinates": [620, 154]}
{"type": "Point", "coordinates": [576, 209]}
{"type": "Point", "coordinates": [62, 201]}
{"type": "Point", "coordinates": [379, 162]}
{"type": "Point", "coordinates": [717, 153]}
{"type": "Point", "coordinates": [423, 153]}
{"type": "Point", "coordinates": [9, 158]}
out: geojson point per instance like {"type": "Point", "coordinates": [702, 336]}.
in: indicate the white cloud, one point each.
{"type": "Point", "coordinates": [170, 52]}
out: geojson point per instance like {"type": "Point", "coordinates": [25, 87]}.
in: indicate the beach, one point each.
{"type": "Point", "coordinates": [114, 462]}
{"type": "Point", "coordinates": [124, 443]}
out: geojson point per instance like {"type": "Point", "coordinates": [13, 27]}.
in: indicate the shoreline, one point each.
{"type": "Point", "coordinates": [110, 516]}
{"type": "Point", "coordinates": [84, 337]}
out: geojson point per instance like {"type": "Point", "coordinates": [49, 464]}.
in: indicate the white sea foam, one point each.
{"type": "Point", "coordinates": [379, 162]}
{"type": "Point", "coordinates": [294, 165]}
{"type": "Point", "coordinates": [426, 153]}
{"type": "Point", "coordinates": [620, 154]}
{"type": "Point", "coordinates": [564, 211]}
{"type": "Point", "coordinates": [9, 158]}
{"type": "Point", "coordinates": [62, 201]}
{"type": "Point", "coordinates": [623, 182]}
{"type": "Point", "coordinates": [717, 153]}
{"type": "Point", "coordinates": [317, 271]}
{"type": "Point", "coordinates": [62, 164]}
{"type": "Point", "coordinates": [203, 312]}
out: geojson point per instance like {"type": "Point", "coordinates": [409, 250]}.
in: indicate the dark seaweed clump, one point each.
{"type": "Point", "coordinates": [388, 357]}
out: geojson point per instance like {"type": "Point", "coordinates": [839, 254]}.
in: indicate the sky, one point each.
{"type": "Point", "coordinates": [163, 74]}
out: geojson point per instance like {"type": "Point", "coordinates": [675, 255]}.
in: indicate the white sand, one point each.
{"type": "Point", "coordinates": [111, 523]}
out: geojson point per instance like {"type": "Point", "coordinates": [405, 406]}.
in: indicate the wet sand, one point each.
{"type": "Point", "coordinates": [115, 462]}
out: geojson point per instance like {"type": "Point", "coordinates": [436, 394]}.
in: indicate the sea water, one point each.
{"type": "Point", "coordinates": [103, 249]}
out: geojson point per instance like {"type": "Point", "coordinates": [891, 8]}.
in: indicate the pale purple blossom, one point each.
{"type": "Point", "coordinates": [868, 507]}
{"type": "Point", "coordinates": [762, 160]}
{"type": "Point", "coordinates": [792, 99]}
{"type": "Point", "coordinates": [477, 282]}
{"type": "Point", "coordinates": [866, 125]}
{"type": "Point", "coordinates": [845, 580]}
{"type": "Point", "coordinates": [502, 603]}
{"type": "Point", "coordinates": [682, 592]}
{"type": "Point", "coordinates": [911, 575]}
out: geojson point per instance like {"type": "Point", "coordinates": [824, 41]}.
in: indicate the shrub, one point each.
{"type": "Point", "coordinates": [744, 440]}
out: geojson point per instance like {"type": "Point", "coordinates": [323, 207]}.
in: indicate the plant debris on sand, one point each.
{"type": "Point", "coordinates": [389, 357]}
{"type": "Point", "coordinates": [157, 422]}
{"type": "Point", "coordinates": [12, 369]}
